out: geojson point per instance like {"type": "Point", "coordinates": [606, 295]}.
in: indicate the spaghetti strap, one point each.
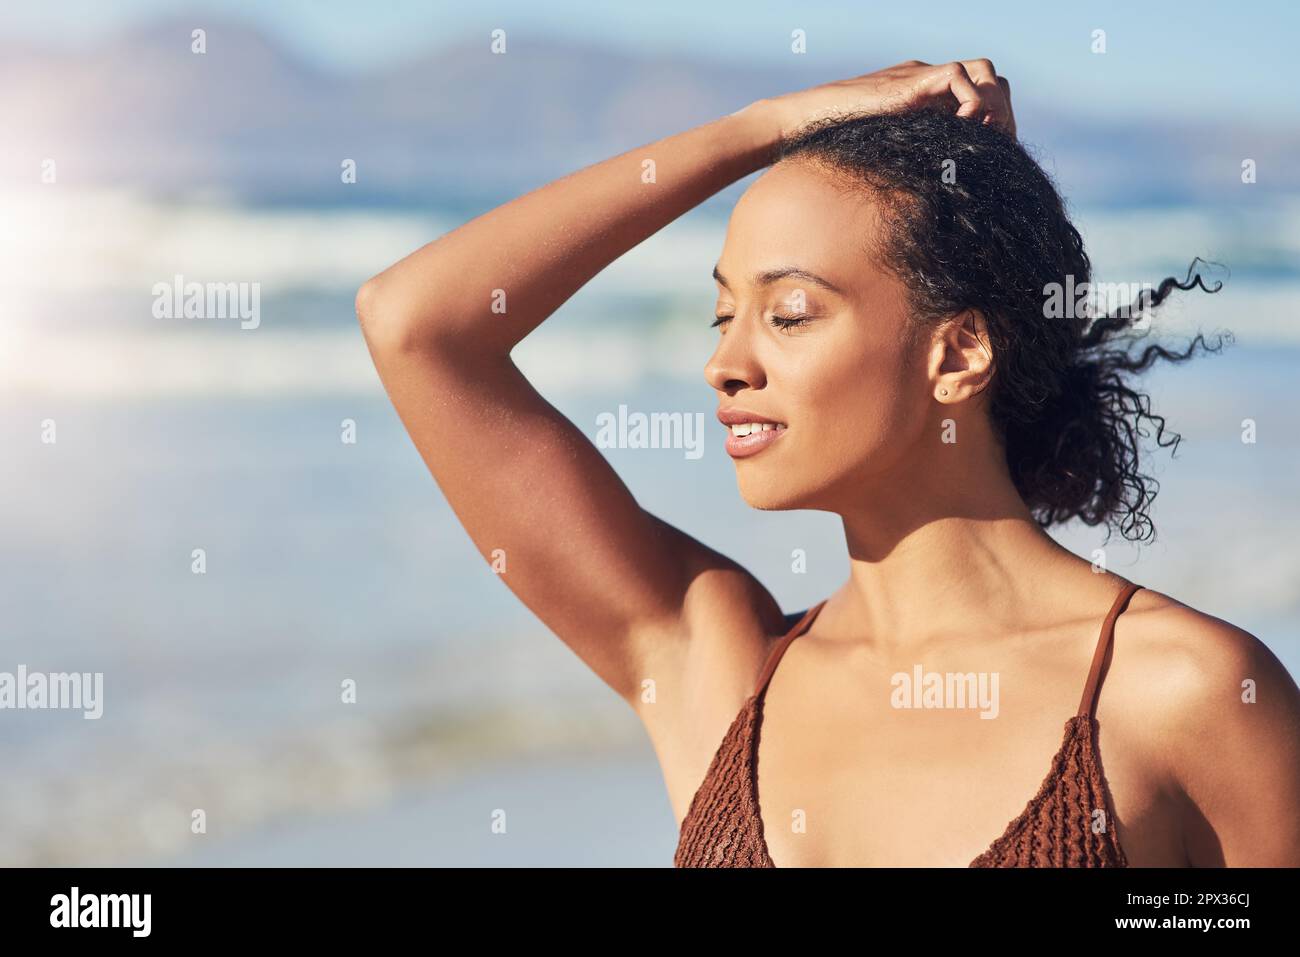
{"type": "Point", "coordinates": [802, 625]}
{"type": "Point", "coordinates": [1089, 700]}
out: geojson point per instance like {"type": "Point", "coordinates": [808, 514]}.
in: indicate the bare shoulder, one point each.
{"type": "Point", "coordinates": [697, 672]}
{"type": "Point", "coordinates": [1192, 664]}
{"type": "Point", "coordinates": [1218, 715]}
{"type": "Point", "coordinates": [1192, 653]}
{"type": "Point", "coordinates": [712, 652]}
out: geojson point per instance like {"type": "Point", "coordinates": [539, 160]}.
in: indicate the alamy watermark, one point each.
{"type": "Point", "coordinates": [179, 299]}
{"type": "Point", "coordinates": [129, 911]}
{"type": "Point", "coordinates": [75, 691]}
{"type": "Point", "coordinates": [946, 689]}
{"type": "Point", "coordinates": [1069, 300]}
{"type": "Point", "coordinates": [657, 430]}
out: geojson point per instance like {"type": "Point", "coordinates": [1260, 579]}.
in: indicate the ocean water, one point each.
{"type": "Point", "coordinates": [558, 810]}
{"type": "Point", "coordinates": [329, 561]}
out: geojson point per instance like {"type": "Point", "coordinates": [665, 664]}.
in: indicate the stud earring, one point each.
{"type": "Point", "coordinates": [943, 391]}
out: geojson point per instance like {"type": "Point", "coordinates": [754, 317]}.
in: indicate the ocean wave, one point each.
{"type": "Point", "coordinates": [567, 359]}
{"type": "Point", "coordinates": [77, 268]}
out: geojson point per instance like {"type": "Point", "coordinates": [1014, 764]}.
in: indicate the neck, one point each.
{"type": "Point", "coordinates": [950, 554]}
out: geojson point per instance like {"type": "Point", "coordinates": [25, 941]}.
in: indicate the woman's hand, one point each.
{"type": "Point", "coordinates": [970, 87]}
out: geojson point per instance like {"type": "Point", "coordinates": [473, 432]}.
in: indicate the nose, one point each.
{"type": "Point", "coordinates": [733, 365]}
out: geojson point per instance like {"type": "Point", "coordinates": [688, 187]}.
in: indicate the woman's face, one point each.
{"type": "Point", "coordinates": [853, 402]}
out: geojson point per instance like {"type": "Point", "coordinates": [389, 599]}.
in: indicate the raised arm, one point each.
{"type": "Point", "coordinates": [622, 588]}
{"type": "Point", "coordinates": [608, 578]}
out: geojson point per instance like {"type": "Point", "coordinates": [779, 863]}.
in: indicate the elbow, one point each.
{"type": "Point", "coordinates": [393, 323]}
{"type": "Point", "coordinates": [383, 323]}
{"type": "Point", "coordinates": [366, 300]}
{"type": "Point", "coordinates": [370, 306]}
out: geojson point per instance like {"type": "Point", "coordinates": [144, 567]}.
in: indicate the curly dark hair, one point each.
{"type": "Point", "coordinates": [993, 235]}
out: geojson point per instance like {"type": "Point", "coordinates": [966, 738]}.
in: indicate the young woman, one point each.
{"type": "Point", "coordinates": [887, 352]}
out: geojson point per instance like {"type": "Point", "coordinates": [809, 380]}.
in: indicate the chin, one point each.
{"type": "Point", "coordinates": [770, 494]}
{"type": "Point", "coordinates": [772, 487]}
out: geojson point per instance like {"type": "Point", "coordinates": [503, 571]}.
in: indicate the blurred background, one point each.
{"type": "Point", "coordinates": [128, 158]}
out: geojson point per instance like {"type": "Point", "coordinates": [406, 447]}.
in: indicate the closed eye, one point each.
{"type": "Point", "coordinates": [781, 322]}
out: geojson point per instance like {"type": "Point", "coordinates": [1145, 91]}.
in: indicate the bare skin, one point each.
{"type": "Point", "coordinates": [947, 565]}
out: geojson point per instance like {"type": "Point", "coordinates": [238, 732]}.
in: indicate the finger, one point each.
{"type": "Point", "coordinates": [985, 77]}
{"type": "Point", "coordinates": [1005, 85]}
{"type": "Point", "coordinates": [953, 78]}
{"type": "Point", "coordinates": [983, 74]}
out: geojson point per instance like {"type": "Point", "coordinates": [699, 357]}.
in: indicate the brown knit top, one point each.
{"type": "Point", "coordinates": [723, 827]}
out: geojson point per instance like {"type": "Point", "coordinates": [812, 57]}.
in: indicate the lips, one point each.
{"type": "Point", "coordinates": [749, 433]}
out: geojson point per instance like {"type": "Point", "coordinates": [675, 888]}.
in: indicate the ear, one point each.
{"type": "Point", "coordinates": [961, 358]}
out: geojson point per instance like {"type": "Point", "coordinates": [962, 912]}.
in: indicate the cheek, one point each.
{"type": "Point", "coordinates": [860, 404]}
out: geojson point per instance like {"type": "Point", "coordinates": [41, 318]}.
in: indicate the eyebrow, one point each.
{"type": "Point", "coordinates": [769, 276]}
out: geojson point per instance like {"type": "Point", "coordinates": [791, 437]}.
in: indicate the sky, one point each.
{"type": "Point", "coordinates": [1183, 58]}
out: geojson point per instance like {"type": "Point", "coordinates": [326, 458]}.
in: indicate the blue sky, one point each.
{"type": "Point", "coordinates": [1180, 57]}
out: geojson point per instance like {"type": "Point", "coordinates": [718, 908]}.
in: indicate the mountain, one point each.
{"type": "Point", "coordinates": [459, 124]}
